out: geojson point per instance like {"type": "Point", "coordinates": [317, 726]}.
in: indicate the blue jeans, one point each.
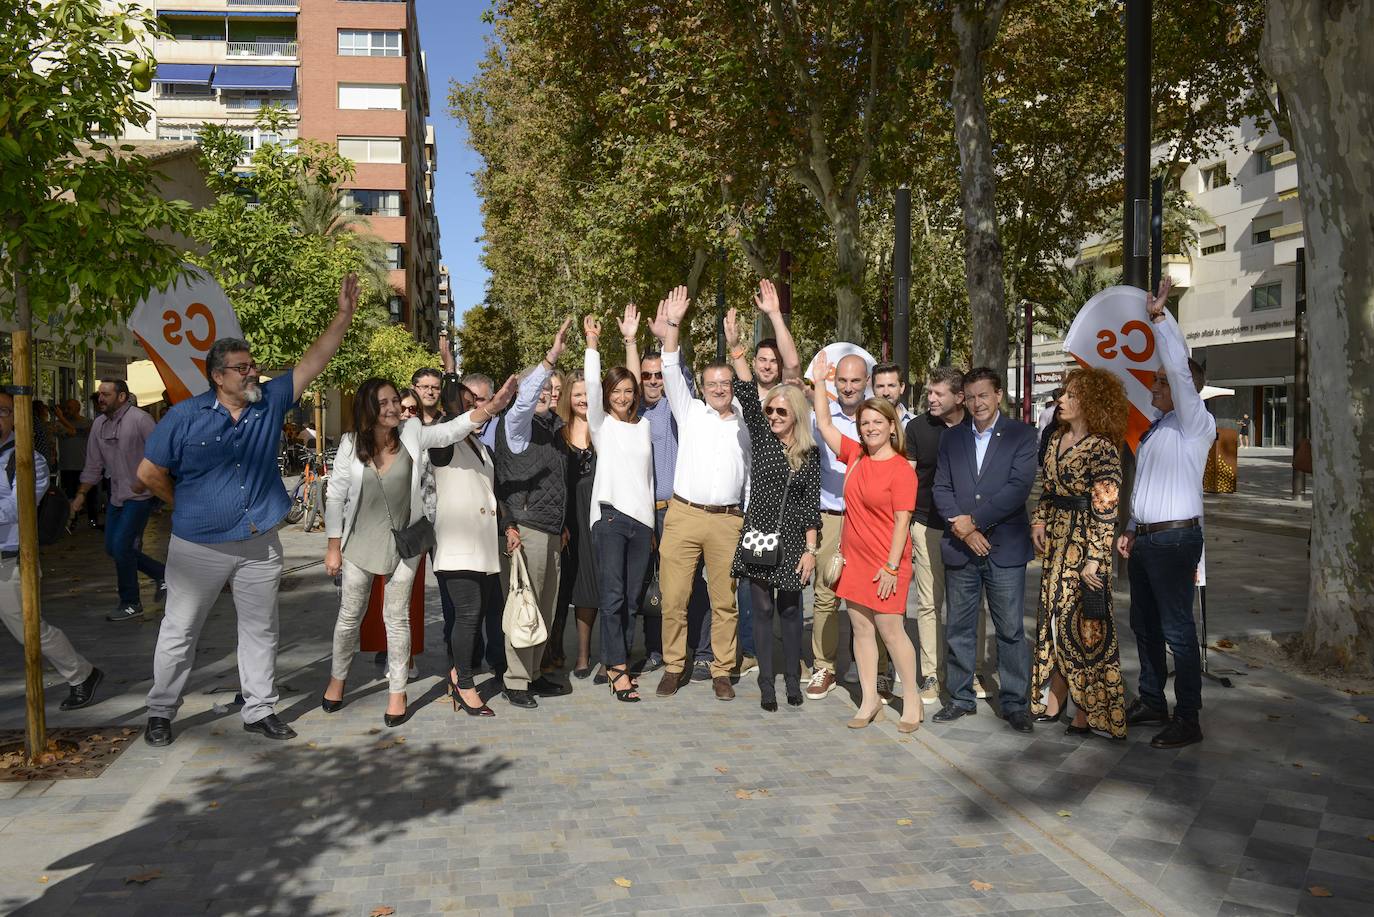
{"type": "Point", "coordinates": [123, 531]}
{"type": "Point", "coordinates": [1006, 592]}
{"type": "Point", "coordinates": [1162, 569]}
{"type": "Point", "coordinates": [623, 545]}
{"type": "Point", "coordinates": [744, 602]}
{"type": "Point", "coordinates": [698, 612]}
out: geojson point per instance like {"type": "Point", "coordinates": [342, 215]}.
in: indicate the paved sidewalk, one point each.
{"type": "Point", "coordinates": [701, 807]}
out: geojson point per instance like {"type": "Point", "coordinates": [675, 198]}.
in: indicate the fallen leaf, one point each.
{"type": "Point", "coordinates": [722, 770]}
{"type": "Point", "coordinates": [1369, 837]}
{"type": "Point", "coordinates": [382, 910]}
{"type": "Point", "coordinates": [213, 805]}
{"type": "Point", "coordinates": [1064, 813]}
{"type": "Point", "coordinates": [1224, 645]}
{"type": "Point", "coordinates": [43, 879]}
{"type": "Point", "coordinates": [1319, 891]}
{"type": "Point", "coordinates": [1273, 716]}
{"type": "Point", "coordinates": [1361, 718]}
{"type": "Point", "coordinates": [743, 794]}
{"type": "Point", "coordinates": [1297, 764]}
{"type": "Point", "coordinates": [400, 740]}
{"type": "Point", "coordinates": [903, 821]}
{"type": "Point", "coordinates": [980, 886]}
{"type": "Point", "coordinates": [761, 792]}
{"type": "Point", "coordinates": [143, 878]}
{"type": "Point", "coordinates": [623, 882]}
{"type": "Point", "coordinates": [311, 745]}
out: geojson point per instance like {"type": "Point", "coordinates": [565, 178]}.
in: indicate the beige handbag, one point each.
{"type": "Point", "coordinates": [829, 574]}
{"type": "Point", "coordinates": [522, 623]}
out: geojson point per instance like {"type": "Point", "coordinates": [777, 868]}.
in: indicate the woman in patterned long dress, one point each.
{"type": "Point", "coordinates": [1077, 658]}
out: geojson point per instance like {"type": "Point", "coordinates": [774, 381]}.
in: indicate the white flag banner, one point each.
{"type": "Point", "coordinates": [1112, 331]}
{"type": "Point", "coordinates": [177, 326]}
{"type": "Point", "coordinates": [835, 353]}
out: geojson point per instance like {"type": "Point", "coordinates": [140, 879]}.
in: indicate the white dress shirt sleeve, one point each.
{"type": "Point", "coordinates": [1173, 353]}
{"type": "Point", "coordinates": [675, 386]}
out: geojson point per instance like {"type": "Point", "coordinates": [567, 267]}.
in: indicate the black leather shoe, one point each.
{"type": "Point", "coordinates": [392, 720]}
{"type": "Point", "coordinates": [1140, 713]}
{"type": "Point", "coordinates": [521, 699]}
{"type": "Point", "coordinates": [547, 687]}
{"type": "Point", "coordinates": [81, 695]}
{"type": "Point", "coordinates": [1020, 721]}
{"type": "Point", "coordinates": [1072, 730]}
{"type": "Point", "coordinates": [1178, 733]}
{"type": "Point", "coordinates": [1046, 718]}
{"type": "Point", "coordinates": [159, 731]}
{"type": "Point", "coordinates": [951, 712]}
{"type": "Point", "coordinates": [331, 706]}
{"type": "Point", "coordinates": [272, 727]}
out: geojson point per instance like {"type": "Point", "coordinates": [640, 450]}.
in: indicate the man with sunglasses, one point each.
{"type": "Point", "coordinates": [114, 449]}
{"type": "Point", "coordinates": [214, 459]}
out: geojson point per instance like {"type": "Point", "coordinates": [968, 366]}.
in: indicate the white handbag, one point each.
{"type": "Point", "coordinates": [521, 621]}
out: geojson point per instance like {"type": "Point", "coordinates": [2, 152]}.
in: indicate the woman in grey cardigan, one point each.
{"type": "Point", "coordinates": [375, 488]}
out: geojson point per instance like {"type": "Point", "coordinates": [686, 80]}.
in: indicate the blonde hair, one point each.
{"type": "Point", "coordinates": [885, 408]}
{"type": "Point", "coordinates": [803, 443]}
{"type": "Point", "coordinates": [564, 407]}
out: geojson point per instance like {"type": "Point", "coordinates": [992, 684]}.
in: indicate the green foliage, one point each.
{"type": "Point", "coordinates": [82, 228]}
{"type": "Point", "coordinates": [392, 353]}
{"type": "Point", "coordinates": [486, 343]}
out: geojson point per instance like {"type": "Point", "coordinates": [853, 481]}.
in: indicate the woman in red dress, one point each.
{"type": "Point", "coordinates": [879, 496]}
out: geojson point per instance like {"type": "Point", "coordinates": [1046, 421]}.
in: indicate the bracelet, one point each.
{"type": "Point", "coordinates": [628, 340]}
{"type": "Point", "coordinates": [888, 568]}
{"type": "Point", "coordinates": [738, 351]}
{"type": "Point", "coordinates": [671, 323]}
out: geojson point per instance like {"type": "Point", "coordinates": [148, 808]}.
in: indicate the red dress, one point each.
{"type": "Point", "coordinates": [874, 492]}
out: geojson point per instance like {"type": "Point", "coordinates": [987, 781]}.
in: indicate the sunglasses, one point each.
{"type": "Point", "coordinates": [777, 412]}
{"type": "Point", "coordinates": [649, 375]}
{"type": "Point", "coordinates": [409, 409]}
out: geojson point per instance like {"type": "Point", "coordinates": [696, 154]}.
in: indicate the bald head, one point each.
{"type": "Point", "coordinates": [851, 383]}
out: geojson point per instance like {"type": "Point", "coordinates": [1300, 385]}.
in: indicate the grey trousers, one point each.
{"type": "Point", "coordinates": [196, 574]}
{"type": "Point", "coordinates": [357, 589]}
{"type": "Point", "coordinates": [541, 559]}
{"type": "Point", "coordinates": [57, 649]}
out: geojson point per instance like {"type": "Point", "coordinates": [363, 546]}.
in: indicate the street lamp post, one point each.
{"type": "Point", "coordinates": [1135, 252]}
{"type": "Point", "coordinates": [901, 294]}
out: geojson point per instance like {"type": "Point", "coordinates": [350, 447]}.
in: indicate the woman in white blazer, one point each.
{"type": "Point", "coordinates": [375, 488]}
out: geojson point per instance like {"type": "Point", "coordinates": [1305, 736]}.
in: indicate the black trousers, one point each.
{"type": "Point", "coordinates": [474, 598]}
{"type": "Point", "coordinates": [788, 606]}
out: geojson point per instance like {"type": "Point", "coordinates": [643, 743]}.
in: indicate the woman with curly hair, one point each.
{"type": "Point", "coordinates": [1076, 652]}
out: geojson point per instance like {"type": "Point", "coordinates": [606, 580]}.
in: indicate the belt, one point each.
{"type": "Point", "coordinates": [731, 510]}
{"type": "Point", "coordinates": [8, 555]}
{"type": "Point", "coordinates": [833, 512]}
{"type": "Point", "coordinates": [1064, 501]}
{"type": "Point", "coordinates": [662, 504]}
{"type": "Point", "coordinates": [1145, 528]}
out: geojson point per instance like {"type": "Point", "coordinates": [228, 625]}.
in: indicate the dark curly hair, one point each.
{"type": "Point", "coordinates": [1102, 398]}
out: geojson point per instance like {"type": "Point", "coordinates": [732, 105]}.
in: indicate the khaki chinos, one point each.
{"type": "Point", "coordinates": [541, 561]}
{"type": "Point", "coordinates": [689, 535]}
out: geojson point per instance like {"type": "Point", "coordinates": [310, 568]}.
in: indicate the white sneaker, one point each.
{"type": "Point", "coordinates": [851, 675]}
{"type": "Point", "coordinates": [820, 685]}
{"type": "Point", "coordinates": [979, 691]}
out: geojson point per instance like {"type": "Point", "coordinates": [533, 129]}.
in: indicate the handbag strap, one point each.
{"type": "Point", "coordinates": [783, 505]}
{"type": "Point", "coordinates": [385, 502]}
{"type": "Point", "coordinates": [519, 574]}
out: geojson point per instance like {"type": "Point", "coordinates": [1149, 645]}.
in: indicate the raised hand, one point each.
{"type": "Point", "coordinates": [629, 322]}
{"type": "Point", "coordinates": [591, 330]}
{"type": "Point", "coordinates": [659, 326]}
{"type": "Point", "coordinates": [503, 397]}
{"type": "Point", "coordinates": [348, 296]}
{"type": "Point", "coordinates": [556, 350]}
{"type": "Point", "coordinates": [820, 370]}
{"type": "Point", "coordinates": [1155, 304]}
{"type": "Point", "coordinates": [731, 329]}
{"type": "Point", "coordinates": [676, 304]}
{"type": "Point", "coordinates": [766, 299]}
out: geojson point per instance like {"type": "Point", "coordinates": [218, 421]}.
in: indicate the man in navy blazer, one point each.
{"type": "Point", "coordinates": [982, 482]}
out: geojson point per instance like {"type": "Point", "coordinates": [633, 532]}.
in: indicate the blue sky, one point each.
{"type": "Point", "coordinates": [452, 35]}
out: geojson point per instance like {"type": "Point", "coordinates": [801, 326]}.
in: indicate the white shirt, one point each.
{"type": "Point", "coordinates": [832, 469]}
{"type": "Point", "coordinates": [1171, 459]}
{"type": "Point", "coordinates": [624, 455]}
{"type": "Point", "coordinates": [9, 497]}
{"type": "Point", "coordinates": [982, 438]}
{"type": "Point", "coordinates": [1046, 418]}
{"type": "Point", "coordinates": [713, 451]}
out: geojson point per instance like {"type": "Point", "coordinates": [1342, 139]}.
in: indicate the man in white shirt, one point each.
{"type": "Point", "coordinates": [1163, 541]}
{"type": "Point", "coordinates": [706, 512]}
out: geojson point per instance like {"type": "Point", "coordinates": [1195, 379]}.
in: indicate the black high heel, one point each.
{"type": "Point", "coordinates": [459, 703]}
{"type": "Point", "coordinates": [392, 720]}
{"type": "Point", "coordinates": [628, 695]}
{"type": "Point", "coordinates": [331, 706]}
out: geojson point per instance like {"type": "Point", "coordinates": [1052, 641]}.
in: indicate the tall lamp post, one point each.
{"type": "Point", "coordinates": [901, 293]}
{"type": "Point", "coordinates": [1135, 252]}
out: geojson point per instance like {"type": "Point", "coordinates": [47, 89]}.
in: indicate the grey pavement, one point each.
{"type": "Point", "coordinates": [690, 805]}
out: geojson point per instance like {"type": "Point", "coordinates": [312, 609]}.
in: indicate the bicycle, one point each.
{"type": "Point", "coordinates": [308, 496]}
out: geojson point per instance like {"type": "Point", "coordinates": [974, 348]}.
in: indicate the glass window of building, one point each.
{"type": "Point", "coordinates": [368, 96]}
{"type": "Point", "coordinates": [371, 149]}
{"type": "Point", "coordinates": [366, 43]}
{"type": "Point", "coordinates": [1266, 296]}
{"type": "Point", "coordinates": [370, 203]}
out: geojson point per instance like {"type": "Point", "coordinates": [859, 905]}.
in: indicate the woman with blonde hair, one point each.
{"type": "Point", "coordinates": [777, 550]}
{"type": "Point", "coordinates": [578, 586]}
{"type": "Point", "coordinates": [1076, 652]}
{"type": "Point", "coordinates": [879, 497]}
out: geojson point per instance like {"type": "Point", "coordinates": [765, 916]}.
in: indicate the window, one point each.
{"type": "Point", "coordinates": [1267, 296]}
{"type": "Point", "coordinates": [371, 149]}
{"type": "Point", "coordinates": [175, 132]}
{"type": "Point", "coordinates": [359, 43]}
{"type": "Point", "coordinates": [185, 91]}
{"type": "Point", "coordinates": [1215, 177]}
{"type": "Point", "coordinates": [1261, 227]}
{"type": "Point", "coordinates": [396, 306]}
{"type": "Point", "coordinates": [1264, 159]}
{"type": "Point", "coordinates": [370, 96]}
{"type": "Point", "coordinates": [396, 257]}
{"type": "Point", "coordinates": [1213, 241]}
{"type": "Point", "coordinates": [373, 203]}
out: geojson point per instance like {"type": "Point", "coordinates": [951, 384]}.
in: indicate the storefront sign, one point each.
{"type": "Point", "coordinates": [177, 327]}
{"type": "Point", "coordinates": [1112, 331]}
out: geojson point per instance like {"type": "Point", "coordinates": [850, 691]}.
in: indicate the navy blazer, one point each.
{"type": "Point", "coordinates": [995, 498]}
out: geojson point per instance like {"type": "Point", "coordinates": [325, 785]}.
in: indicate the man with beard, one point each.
{"type": "Point", "coordinates": [214, 459]}
{"type": "Point", "coordinates": [114, 449]}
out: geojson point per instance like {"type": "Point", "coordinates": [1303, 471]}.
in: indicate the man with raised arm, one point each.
{"type": "Point", "coordinates": [706, 512]}
{"type": "Point", "coordinates": [213, 458]}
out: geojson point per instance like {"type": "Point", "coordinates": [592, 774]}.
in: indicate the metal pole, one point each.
{"type": "Point", "coordinates": [1301, 413]}
{"type": "Point", "coordinates": [1027, 364]}
{"type": "Point", "coordinates": [1156, 232]}
{"type": "Point", "coordinates": [1135, 250]}
{"type": "Point", "coordinates": [720, 309]}
{"type": "Point", "coordinates": [901, 294]}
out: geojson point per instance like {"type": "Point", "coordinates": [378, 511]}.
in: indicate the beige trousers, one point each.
{"type": "Point", "coordinates": [690, 535]}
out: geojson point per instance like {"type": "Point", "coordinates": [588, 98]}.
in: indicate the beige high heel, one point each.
{"type": "Point", "coordinates": [860, 722]}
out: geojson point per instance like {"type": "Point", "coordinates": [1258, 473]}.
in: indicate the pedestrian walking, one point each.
{"type": "Point", "coordinates": [75, 432]}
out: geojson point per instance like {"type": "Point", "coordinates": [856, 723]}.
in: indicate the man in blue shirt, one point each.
{"type": "Point", "coordinates": [213, 458]}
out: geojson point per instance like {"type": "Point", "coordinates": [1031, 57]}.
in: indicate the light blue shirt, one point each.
{"type": "Point", "coordinates": [981, 440]}
{"type": "Point", "coordinates": [832, 469]}
{"type": "Point", "coordinates": [521, 413]}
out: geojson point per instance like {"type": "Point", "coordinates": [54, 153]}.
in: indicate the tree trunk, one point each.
{"type": "Point", "coordinates": [849, 272]}
{"type": "Point", "coordinates": [1321, 55]}
{"type": "Point", "coordinates": [975, 24]}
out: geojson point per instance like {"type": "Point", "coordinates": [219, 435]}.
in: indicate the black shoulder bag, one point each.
{"type": "Point", "coordinates": [764, 549]}
{"type": "Point", "coordinates": [413, 540]}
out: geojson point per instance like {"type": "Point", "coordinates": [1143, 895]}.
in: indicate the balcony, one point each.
{"type": "Point", "coordinates": [201, 51]}
{"type": "Point", "coordinates": [259, 50]}
{"type": "Point", "coordinates": [175, 6]}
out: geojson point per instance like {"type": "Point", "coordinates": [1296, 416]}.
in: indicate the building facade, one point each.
{"type": "Point", "coordinates": [350, 73]}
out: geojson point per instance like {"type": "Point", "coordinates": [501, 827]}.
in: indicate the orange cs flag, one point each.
{"type": "Point", "coordinates": [177, 327]}
{"type": "Point", "coordinates": [1112, 331]}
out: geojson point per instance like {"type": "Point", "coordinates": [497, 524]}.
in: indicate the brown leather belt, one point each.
{"type": "Point", "coordinates": [661, 504]}
{"type": "Point", "coordinates": [833, 512]}
{"type": "Point", "coordinates": [731, 510]}
{"type": "Point", "coordinates": [1146, 528]}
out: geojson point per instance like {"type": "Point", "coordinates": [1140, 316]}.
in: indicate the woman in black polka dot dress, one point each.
{"type": "Point", "coordinates": [784, 501]}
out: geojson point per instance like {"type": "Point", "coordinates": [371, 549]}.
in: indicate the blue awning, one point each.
{"type": "Point", "coordinates": [226, 14]}
{"type": "Point", "coordinates": [198, 74]}
{"type": "Point", "coordinates": [228, 76]}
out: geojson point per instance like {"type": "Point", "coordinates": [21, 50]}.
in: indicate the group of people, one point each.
{"type": "Point", "coordinates": [618, 493]}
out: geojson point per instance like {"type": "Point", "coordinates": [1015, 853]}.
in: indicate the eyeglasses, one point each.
{"type": "Point", "coordinates": [716, 385]}
{"type": "Point", "coordinates": [427, 388]}
{"type": "Point", "coordinates": [777, 412]}
{"type": "Point", "coordinates": [242, 369]}
{"type": "Point", "coordinates": [648, 375]}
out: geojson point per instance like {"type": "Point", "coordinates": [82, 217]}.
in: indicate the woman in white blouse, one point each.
{"type": "Point", "coordinates": [622, 504]}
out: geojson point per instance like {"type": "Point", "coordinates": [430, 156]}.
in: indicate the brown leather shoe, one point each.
{"type": "Point", "coordinates": [723, 689]}
{"type": "Point", "coordinates": [669, 683]}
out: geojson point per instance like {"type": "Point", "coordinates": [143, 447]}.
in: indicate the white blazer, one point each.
{"type": "Point", "coordinates": [465, 524]}
{"type": "Point", "coordinates": [346, 477]}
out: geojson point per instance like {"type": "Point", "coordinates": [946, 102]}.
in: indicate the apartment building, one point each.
{"type": "Point", "coordinates": [1235, 289]}
{"type": "Point", "coordinates": [351, 73]}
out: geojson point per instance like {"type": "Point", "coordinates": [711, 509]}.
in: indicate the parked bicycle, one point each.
{"type": "Point", "coordinates": [307, 497]}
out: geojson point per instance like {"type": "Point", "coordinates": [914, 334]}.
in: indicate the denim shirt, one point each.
{"type": "Point", "coordinates": [228, 487]}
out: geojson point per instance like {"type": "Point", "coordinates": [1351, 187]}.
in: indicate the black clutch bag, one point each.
{"type": "Point", "coordinates": [1094, 602]}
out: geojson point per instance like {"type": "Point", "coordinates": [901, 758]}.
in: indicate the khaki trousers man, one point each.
{"type": "Point", "coordinates": [690, 535]}
{"type": "Point", "coordinates": [541, 561]}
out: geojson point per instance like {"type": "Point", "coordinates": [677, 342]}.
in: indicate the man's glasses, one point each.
{"type": "Point", "coordinates": [777, 412]}
{"type": "Point", "coordinates": [242, 369]}
{"type": "Point", "coordinates": [426, 388]}
{"type": "Point", "coordinates": [716, 386]}
{"type": "Point", "coordinates": [648, 376]}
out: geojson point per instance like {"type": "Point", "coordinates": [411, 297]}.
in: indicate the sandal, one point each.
{"type": "Point", "coordinates": [628, 695]}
